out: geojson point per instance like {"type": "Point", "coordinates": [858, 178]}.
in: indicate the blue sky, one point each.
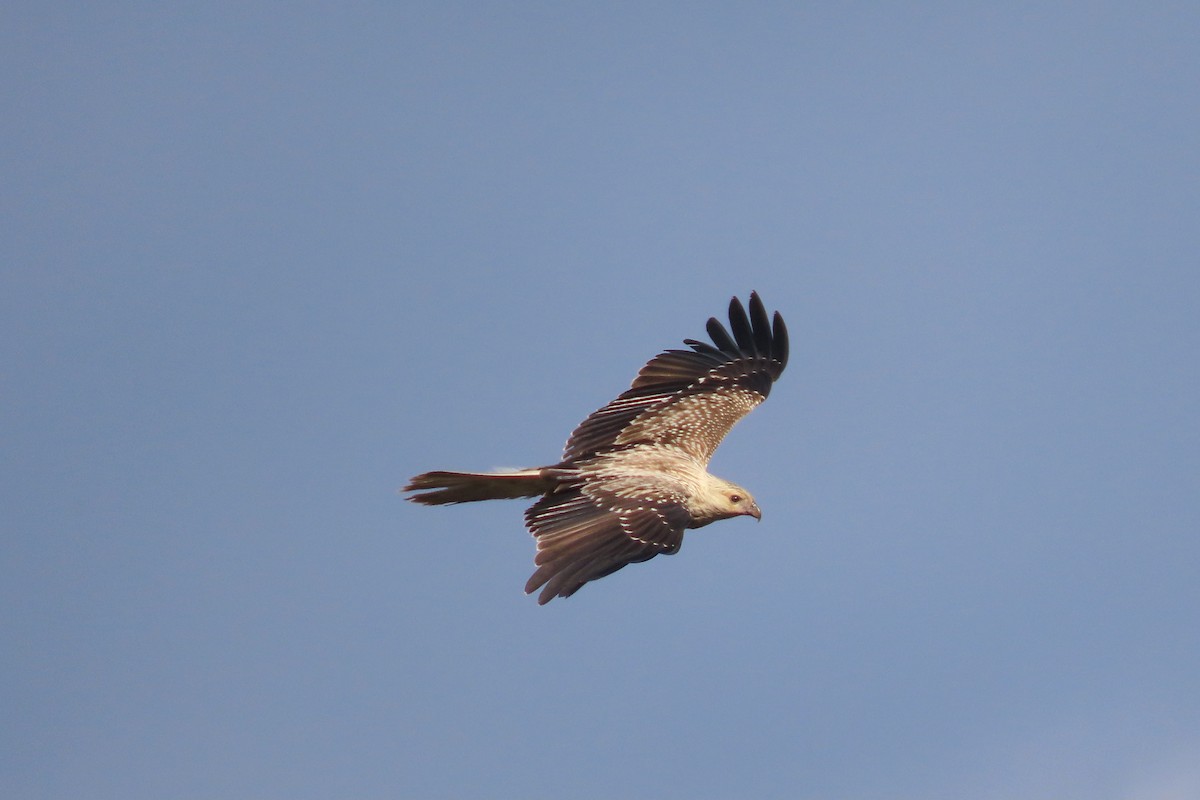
{"type": "Point", "coordinates": [262, 263]}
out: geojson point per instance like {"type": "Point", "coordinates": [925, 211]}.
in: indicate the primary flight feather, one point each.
{"type": "Point", "coordinates": [634, 474]}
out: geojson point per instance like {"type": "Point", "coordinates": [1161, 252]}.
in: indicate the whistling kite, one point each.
{"type": "Point", "coordinates": [633, 475]}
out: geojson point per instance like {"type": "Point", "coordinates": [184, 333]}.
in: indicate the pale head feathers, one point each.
{"type": "Point", "coordinates": [717, 498]}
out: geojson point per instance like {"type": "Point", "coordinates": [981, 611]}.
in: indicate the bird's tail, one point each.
{"type": "Point", "coordinates": [436, 488]}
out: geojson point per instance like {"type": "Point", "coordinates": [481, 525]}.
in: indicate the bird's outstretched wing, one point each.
{"type": "Point", "coordinates": [587, 532]}
{"type": "Point", "coordinates": [691, 398]}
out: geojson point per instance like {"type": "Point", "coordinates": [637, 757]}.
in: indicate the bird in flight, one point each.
{"type": "Point", "coordinates": [634, 474]}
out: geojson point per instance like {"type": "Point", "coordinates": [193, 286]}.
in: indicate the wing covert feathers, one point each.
{"type": "Point", "coordinates": [691, 398]}
{"type": "Point", "coordinates": [581, 538]}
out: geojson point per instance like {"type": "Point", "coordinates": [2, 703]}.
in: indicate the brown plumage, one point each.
{"type": "Point", "coordinates": [633, 476]}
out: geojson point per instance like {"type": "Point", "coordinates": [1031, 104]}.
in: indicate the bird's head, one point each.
{"type": "Point", "coordinates": [724, 500]}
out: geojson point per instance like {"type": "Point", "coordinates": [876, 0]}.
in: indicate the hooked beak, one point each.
{"type": "Point", "coordinates": [754, 512]}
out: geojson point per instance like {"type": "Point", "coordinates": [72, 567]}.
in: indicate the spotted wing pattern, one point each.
{"type": "Point", "coordinates": [586, 532]}
{"type": "Point", "coordinates": [690, 399]}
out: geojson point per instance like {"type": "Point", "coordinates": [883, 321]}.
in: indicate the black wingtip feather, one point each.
{"type": "Point", "coordinates": [740, 324]}
{"type": "Point", "coordinates": [779, 346]}
{"type": "Point", "coordinates": [705, 349]}
{"type": "Point", "coordinates": [761, 324]}
{"type": "Point", "coordinates": [721, 337]}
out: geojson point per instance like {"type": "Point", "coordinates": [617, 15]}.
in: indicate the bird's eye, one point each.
{"type": "Point", "coordinates": [735, 498]}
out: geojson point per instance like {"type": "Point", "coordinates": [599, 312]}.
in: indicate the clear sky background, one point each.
{"type": "Point", "coordinates": [263, 262]}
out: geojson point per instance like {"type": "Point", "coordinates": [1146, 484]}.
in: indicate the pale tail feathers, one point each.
{"type": "Point", "coordinates": [438, 488]}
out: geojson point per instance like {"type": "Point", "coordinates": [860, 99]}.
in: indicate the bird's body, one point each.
{"type": "Point", "coordinates": [634, 474]}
